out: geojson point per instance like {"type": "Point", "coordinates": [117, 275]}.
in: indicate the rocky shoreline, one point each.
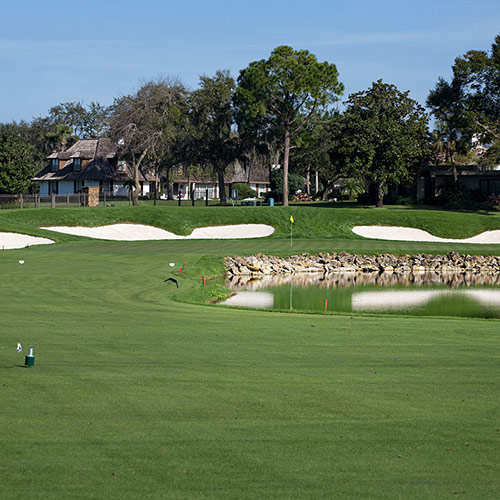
{"type": "Point", "coordinates": [261, 265]}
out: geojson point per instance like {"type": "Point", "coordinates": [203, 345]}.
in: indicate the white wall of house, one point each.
{"type": "Point", "coordinates": [200, 191]}
{"type": "Point", "coordinates": [182, 188]}
{"type": "Point", "coordinates": [260, 189]}
{"type": "Point", "coordinates": [148, 187]}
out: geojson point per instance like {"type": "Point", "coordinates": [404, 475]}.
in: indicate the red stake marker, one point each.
{"type": "Point", "coordinates": [203, 280]}
{"type": "Point", "coordinates": [180, 270]}
{"type": "Point", "coordinates": [326, 304]}
{"type": "Point", "coordinates": [183, 265]}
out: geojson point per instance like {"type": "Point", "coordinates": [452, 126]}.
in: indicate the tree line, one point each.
{"type": "Point", "coordinates": [281, 110]}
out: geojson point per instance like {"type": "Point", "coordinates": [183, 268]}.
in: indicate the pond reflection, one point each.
{"type": "Point", "coordinates": [403, 299]}
{"type": "Point", "coordinates": [450, 294]}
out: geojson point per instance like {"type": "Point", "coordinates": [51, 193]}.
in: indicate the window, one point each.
{"type": "Point", "coordinates": [77, 164]}
{"type": "Point", "coordinates": [105, 187]}
{"type": "Point", "coordinates": [489, 186]}
{"type": "Point", "coordinates": [54, 164]}
{"type": "Point", "coordinates": [494, 187]}
{"type": "Point", "coordinates": [122, 166]}
{"type": "Point", "coordinates": [53, 187]}
{"type": "Point", "coordinates": [78, 186]}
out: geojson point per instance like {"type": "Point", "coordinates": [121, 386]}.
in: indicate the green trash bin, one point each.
{"type": "Point", "coordinates": [29, 360]}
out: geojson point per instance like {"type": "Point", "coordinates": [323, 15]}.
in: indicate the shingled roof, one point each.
{"type": "Point", "coordinates": [101, 153]}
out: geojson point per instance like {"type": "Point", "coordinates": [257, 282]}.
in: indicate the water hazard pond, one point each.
{"type": "Point", "coordinates": [426, 294]}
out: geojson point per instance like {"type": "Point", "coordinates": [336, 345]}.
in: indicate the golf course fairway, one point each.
{"type": "Point", "coordinates": [141, 389]}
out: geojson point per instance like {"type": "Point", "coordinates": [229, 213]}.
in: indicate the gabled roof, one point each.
{"type": "Point", "coordinates": [101, 154]}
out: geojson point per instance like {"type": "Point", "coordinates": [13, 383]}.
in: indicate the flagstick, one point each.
{"type": "Point", "coordinates": [291, 233]}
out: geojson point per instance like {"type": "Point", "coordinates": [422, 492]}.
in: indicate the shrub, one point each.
{"type": "Point", "coordinates": [9, 201]}
{"type": "Point", "coordinates": [295, 183]}
{"type": "Point", "coordinates": [8, 205]}
{"type": "Point", "coordinates": [352, 188]}
{"type": "Point", "coordinates": [244, 191]}
{"type": "Point", "coordinates": [492, 202]}
{"type": "Point", "coordinates": [404, 200]}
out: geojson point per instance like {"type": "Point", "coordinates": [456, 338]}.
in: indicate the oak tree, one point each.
{"type": "Point", "coordinates": [148, 123]}
{"type": "Point", "coordinates": [215, 143]}
{"type": "Point", "coordinates": [385, 136]}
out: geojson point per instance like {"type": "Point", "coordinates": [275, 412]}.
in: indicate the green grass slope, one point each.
{"type": "Point", "coordinates": [310, 222]}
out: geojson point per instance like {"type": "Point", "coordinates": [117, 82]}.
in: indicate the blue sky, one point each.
{"type": "Point", "coordinates": [58, 51]}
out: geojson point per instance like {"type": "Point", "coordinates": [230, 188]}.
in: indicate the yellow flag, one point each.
{"type": "Point", "coordinates": [291, 219]}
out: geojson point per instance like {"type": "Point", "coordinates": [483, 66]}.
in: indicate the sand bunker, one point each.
{"type": "Point", "coordinates": [9, 241]}
{"type": "Point", "coordinates": [139, 232]}
{"type": "Point", "coordinates": [395, 233]}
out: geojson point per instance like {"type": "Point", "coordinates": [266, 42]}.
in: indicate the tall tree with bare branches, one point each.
{"type": "Point", "coordinates": [148, 123]}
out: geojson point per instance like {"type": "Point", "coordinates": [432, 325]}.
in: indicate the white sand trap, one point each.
{"type": "Point", "coordinates": [8, 241]}
{"type": "Point", "coordinates": [395, 233]}
{"type": "Point", "coordinates": [140, 232]}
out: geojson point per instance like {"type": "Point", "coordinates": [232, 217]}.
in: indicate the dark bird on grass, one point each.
{"type": "Point", "coordinates": [173, 280]}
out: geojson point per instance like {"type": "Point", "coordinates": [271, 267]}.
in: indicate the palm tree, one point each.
{"type": "Point", "coordinates": [353, 187]}
{"type": "Point", "coordinates": [60, 135]}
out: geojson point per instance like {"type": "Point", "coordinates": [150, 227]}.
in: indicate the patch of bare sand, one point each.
{"type": "Point", "coordinates": [140, 232]}
{"type": "Point", "coordinates": [396, 233]}
{"type": "Point", "coordinates": [9, 241]}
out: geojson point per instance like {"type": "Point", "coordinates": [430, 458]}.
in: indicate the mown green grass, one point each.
{"type": "Point", "coordinates": [310, 222]}
{"type": "Point", "coordinates": [136, 394]}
